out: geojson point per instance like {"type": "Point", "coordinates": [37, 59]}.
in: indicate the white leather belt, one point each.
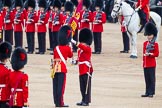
{"type": "Point", "coordinates": [86, 63]}
{"type": "Point", "coordinates": [2, 85]}
{"type": "Point", "coordinates": [18, 90]}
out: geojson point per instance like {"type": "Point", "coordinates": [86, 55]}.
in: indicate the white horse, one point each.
{"type": "Point", "coordinates": [132, 20]}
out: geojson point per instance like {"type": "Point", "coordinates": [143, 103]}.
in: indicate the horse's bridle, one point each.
{"type": "Point", "coordinates": [118, 8]}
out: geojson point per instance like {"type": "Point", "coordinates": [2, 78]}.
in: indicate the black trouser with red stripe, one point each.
{"type": "Point", "coordinates": [3, 104]}
{"type": "Point", "coordinates": [86, 95]}
{"type": "Point", "coordinates": [59, 82]}
{"type": "Point", "coordinates": [97, 41]}
{"type": "Point", "coordinates": [50, 38]}
{"type": "Point", "coordinates": [9, 36]}
{"type": "Point", "coordinates": [125, 41]}
{"type": "Point", "coordinates": [42, 41]}
{"type": "Point", "coordinates": [54, 39]}
{"type": "Point", "coordinates": [149, 74]}
{"type": "Point", "coordinates": [75, 37]}
{"type": "Point", "coordinates": [18, 39]}
{"type": "Point", "coordinates": [30, 41]}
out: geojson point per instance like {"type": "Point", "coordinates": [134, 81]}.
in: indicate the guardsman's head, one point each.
{"type": "Point", "coordinates": [150, 30]}
{"type": "Point", "coordinates": [42, 5]}
{"type": "Point", "coordinates": [5, 51]}
{"type": "Point", "coordinates": [98, 5]}
{"type": "Point", "coordinates": [57, 5]}
{"type": "Point", "coordinates": [86, 4]}
{"type": "Point", "coordinates": [69, 7]}
{"type": "Point", "coordinates": [7, 4]}
{"type": "Point", "coordinates": [31, 5]}
{"type": "Point", "coordinates": [18, 4]}
{"type": "Point", "coordinates": [18, 59]}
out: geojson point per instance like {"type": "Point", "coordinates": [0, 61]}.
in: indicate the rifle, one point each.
{"type": "Point", "coordinates": [86, 14]}
{"type": "Point", "coordinates": [56, 18]}
{"type": "Point", "coordinates": [31, 15]}
{"type": "Point", "coordinates": [150, 46]}
{"type": "Point", "coordinates": [21, 10]}
{"type": "Point", "coordinates": [42, 16]}
{"type": "Point", "coordinates": [10, 9]}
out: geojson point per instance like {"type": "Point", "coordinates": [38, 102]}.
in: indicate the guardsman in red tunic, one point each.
{"type": "Point", "coordinates": [18, 80]}
{"type": "Point", "coordinates": [143, 9]}
{"type": "Point", "coordinates": [63, 6]}
{"type": "Point", "coordinates": [8, 21]}
{"type": "Point", "coordinates": [57, 22]}
{"type": "Point", "coordinates": [124, 35]}
{"type": "Point", "coordinates": [150, 52]}
{"type": "Point", "coordinates": [1, 26]}
{"type": "Point", "coordinates": [41, 26]}
{"type": "Point", "coordinates": [85, 65]}
{"type": "Point", "coordinates": [99, 18]}
{"type": "Point", "coordinates": [5, 52]}
{"type": "Point", "coordinates": [61, 53]}
{"type": "Point", "coordinates": [30, 20]}
{"type": "Point", "coordinates": [18, 23]}
{"type": "Point", "coordinates": [50, 25]}
{"type": "Point", "coordinates": [86, 15]}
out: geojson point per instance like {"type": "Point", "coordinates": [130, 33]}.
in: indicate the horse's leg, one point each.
{"type": "Point", "coordinates": [134, 45]}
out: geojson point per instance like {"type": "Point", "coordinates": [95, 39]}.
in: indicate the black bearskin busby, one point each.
{"type": "Point", "coordinates": [42, 3]}
{"type": "Point", "coordinates": [18, 59]}
{"type": "Point", "coordinates": [150, 29]}
{"type": "Point", "coordinates": [69, 6]}
{"type": "Point", "coordinates": [57, 3]}
{"type": "Point", "coordinates": [99, 3]}
{"type": "Point", "coordinates": [7, 3]}
{"type": "Point", "coordinates": [18, 3]}
{"type": "Point", "coordinates": [86, 3]}
{"type": "Point", "coordinates": [31, 3]}
{"type": "Point", "coordinates": [5, 50]}
{"type": "Point", "coordinates": [75, 2]}
{"type": "Point", "coordinates": [52, 1]}
{"type": "Point", "coordinates": [63, 2]}
{"type": "Point", "coordinates": [85, 36]}
{"type": "Point", "coordinates": [64, 35]}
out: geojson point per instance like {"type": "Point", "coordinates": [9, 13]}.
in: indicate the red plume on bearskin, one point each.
{"type": "Point", "coordinates": [18, 59]}
{"type": "Point", "coordinates": [5, 50]}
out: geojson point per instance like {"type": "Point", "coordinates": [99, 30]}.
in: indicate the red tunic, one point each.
{"type": "Point", "coordinates": [56, 27]}
{"type": "Point", "coordinates": [86, 24]}
{"type": "Point", "coordinates": [4, 77]}
{"type": "Point", "coordinates": [66, 53]}
{"type": "Point", "coordinates": [123, 28]}
{"type": "Point", "coordinates": [42, 26]}
{"type": "Point", "coordinates": [1, 21]}
{"type": "Point", "coordinates": [21, 95]}
{"type": "Point", "coordinates": [84, 55]}
{"type": "Point", "coordinates": [99, 26]}
{"type": "Point", "coordinates": [144, 6]}
{"type": "Point", "coordinates": [30, 27]}
{"type": "Point", "coordinates": [149, 61]}
{"type": "Point", "coordinates": [8, 25]}
{"type": "Point", "coordinates": [18, 26]}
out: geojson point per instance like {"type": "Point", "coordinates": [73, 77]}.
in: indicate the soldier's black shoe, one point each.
{"type": "Point", "coordinates": [62, 105]}
{"type": "Point", "coordinates": [124, 51]}
{"type": "Point", "coordinates": [26, 47]}
{"type": "Point", "coordinates": [145, 95]}
{"type": "Point", "coordinates": [98, 52]}
{"type": "Point", "coordinates": [39, 53]}
{"type": "Point", "coordinates": [36, 48]}
{"type": "Point", "coordinates": [82, 104]}
{"type": "Point", "coordinates": [49, 49]}
{"type": "Point", "coordinates": [30, 52]}
{"type": "Point", "coordinates": [93, 52]}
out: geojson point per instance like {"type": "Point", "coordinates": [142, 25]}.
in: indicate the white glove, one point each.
{"type": "Point", "coordinates": [7, 21]}
{"type": "Point", "coordinates": [73, 41]}
{"type": "Point", "coordinates": [124, 23]}
{"type": "Point", "coordinates": [25, 107]}
{"type": "Point", "coordinates": [137, 9]}
{"type": "Point", "coordinates": [57, 22]}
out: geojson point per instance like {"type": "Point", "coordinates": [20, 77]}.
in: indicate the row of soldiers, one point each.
{"type": "Point", "coordinates": [14, 17]}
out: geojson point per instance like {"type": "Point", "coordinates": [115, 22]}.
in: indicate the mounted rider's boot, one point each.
{"type": "Point", "coordinates": [143, 20]}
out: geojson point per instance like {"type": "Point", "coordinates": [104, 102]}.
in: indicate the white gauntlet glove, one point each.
{"type": "Point", "coordinates": [137, 9]}
{"type": "Point", "coordinates": [73, 41]}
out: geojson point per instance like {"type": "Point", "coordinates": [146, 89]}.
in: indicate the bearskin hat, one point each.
{"type": "Point", "coordinates": [42, 3]}
{"type": "Point", "coordinates": [31, 3]}
{"type": "Point", "coordinates": [63, 2]}
{"type": "Point", "coordinates": [7, 3]}
{"type": "Point", "coordinates": [5, 50]}
{"type": "Point", "coordinates": [52, 1]}
{"type": "Point", "coordinates": [69, 6]}
{"type": "Point", "coordinates": [18, 58]}
{"type": "Point", "coordinates": [86, 3]}
{"type": "Point", "coordinates": [64, 35]}
{"type": "Point", "coordinates": [75, 2]}
{"type": "Point", "coordinates": [57, 3]}
{"type": "Point", "coordinates": [85, 36]}
{"type": "Point", "coordinates": [99, 3]}
{"type": "Point", "coordinates": [150, 29]}
{"type": "Point", "coordinates": [18, 3]}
